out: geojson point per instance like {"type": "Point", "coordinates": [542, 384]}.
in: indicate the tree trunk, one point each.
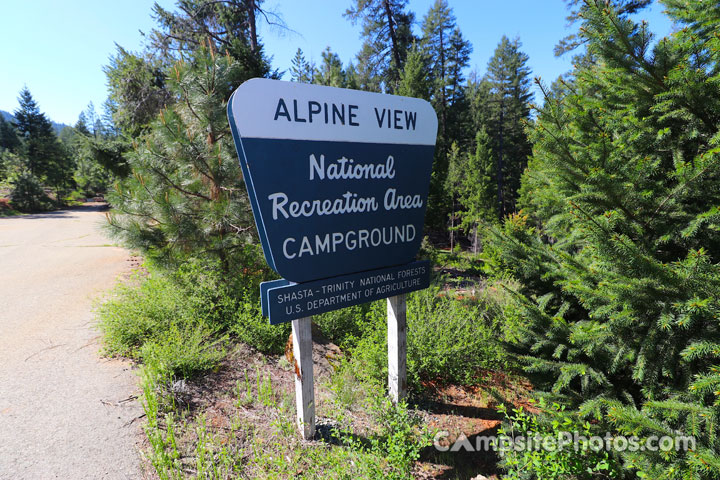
{"type": "Point", "coordinates": [475, 241]}
{"type": "Point", "coordinates": [452, 227]}
{"type": "Point", "coordinates": [393, 38]}
{"type": "Point", "coordinates": [501, 201]}
{"type": "Point", "coordinates": [251, 7]}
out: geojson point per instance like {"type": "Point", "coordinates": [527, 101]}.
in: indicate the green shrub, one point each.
{"type": "Point", "coordinates": [28, 195]}
{"type": "Point", "coordinates": [401, 437]}
{"type": "Point", "coordinates": [344, 327]}
{"type": "Point", "coordinates": [184, 351]}
{"type": "Point", "coordinates": [396, 443]}
{"type": "Point", "coordinates": [140, 310]}
{"type": "Point", "coordinates": [255, 330]}
{"type": "Point", "coordinates": [448, 339]}
{"type": "Point", "coordinates": [172, 321]}
{"type": "Point", "coordinates": [177, 317]}
{"type": "Point", "coordinates": [554, 462]}
{"type": "Point", "coordinates": [74, 198]}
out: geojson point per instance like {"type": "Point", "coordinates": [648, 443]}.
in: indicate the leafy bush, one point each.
{"type": "Point", "coordinates": [140, 311]}
{"type": "Point", "coordinates": [448, 338]}
{"type": "Point", "coordinates": [184, 350]}
{"type": "Point", "coordinates": [556, 461]}
{"type": "Point", "coordinates": [401, 437]}
{"type": "Point", "coordinates": [178, 319]}
{"type": "Point", "coordinates": [28, 195]}
{"type": "Point", "coordinates": [397, 441]}
{"type": "Point", "coordinates": [344, 327]}
{"type": "Point", "coordinates": [74, 198]}
{"type": "Point", "coordinates": [252, 328]}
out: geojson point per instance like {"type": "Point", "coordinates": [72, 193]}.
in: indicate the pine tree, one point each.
{"type": "Point", "coordinates": [414, 81]}
{"type": "Point", "coordinates": [301, 70]}
{"type": "Point", "coordinates": [37, 134]}
{"type": "Point", "coordinates": [471, 184]}
{"type": "Point", "coordinates": [447, 54]}
{"type": "Point", "coordinates": [330, 72]}
{"type": "Point", "coordinates": [137, 90]}
{"type": "Point", "coordinates": [504, 113]}
{"type": "Point", "coordinates": [387, 34]}
{"type": "Point", "coordinates": [41, 152]}
{"type": "Point", "coordinates": [617, 245]}
{"type": "Point", "coordinates": [8, 136]}
{"type": "Point", "coordinates": [90, 176]}
{"type": "Point", "coordinates": [230, 25]}
{"type": "Point", "coordinates": [181, 194]}
{"type": "Point", "coordinates": [185, 196]}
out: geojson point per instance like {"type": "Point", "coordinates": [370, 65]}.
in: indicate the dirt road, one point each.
{"type": "Point", "coordinates": [65, 412]}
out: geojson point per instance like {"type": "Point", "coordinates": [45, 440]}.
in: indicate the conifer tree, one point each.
{"type": "Point", "coordinates": [41, 152]}
{"type": "Point", "coordinates": [471, 183]}
{"type": "Point", "coordinates": [414, 81]}
{"type": "Point", "coordinates": [8, 136]}
{"type": "Point", "coordinates": [504, 112]}
{"type": "Point", "coordinates": [387, 37]}
{"type": "Point", "coordinates": [447, 54]}
{"type": "Point", "coordinates": [185, 196]}
{"type": "Point", "coordinates": [230, 25]}
{"type": "Point", "coordinates": [330, 72]}
{"type": "Point", "coordinates": [36, 132]}
{"type": "Point", "coordinates": [617, 245]}
{"type": "Point", "coordinates": [301, 70]}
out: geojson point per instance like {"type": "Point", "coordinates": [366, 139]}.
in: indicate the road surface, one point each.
{"type": "Point", "coordinates": [65, 412]}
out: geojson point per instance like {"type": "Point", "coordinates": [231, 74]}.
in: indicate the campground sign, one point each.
{"type": "Point", "coordinates": [338, 182]}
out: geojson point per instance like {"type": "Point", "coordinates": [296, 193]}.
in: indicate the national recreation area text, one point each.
{"type": "Point", "coordinates": [345, 169]}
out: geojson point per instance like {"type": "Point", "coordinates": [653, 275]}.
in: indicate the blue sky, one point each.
{"type": "Point", "coordinates": [58, 49]}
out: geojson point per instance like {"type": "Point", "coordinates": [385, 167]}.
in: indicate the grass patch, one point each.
{"type": "Point", "coordinates": [219, 399]}
{"type": "Point", "coordinates": [246, 429]}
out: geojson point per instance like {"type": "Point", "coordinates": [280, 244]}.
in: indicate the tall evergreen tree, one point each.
{"type": "Point", "coordinates": [230, 25]}
{"type": "Point", "coordinates": [387, 36]}
{"type": "Point", "coordinates": [504, 112]}
{"type": "Point", "coordinates": [301, 70]}
{"type": "Point", "coordinates": [37, 134]}
{"type": "Point", "coordinates": [137, 90]}
{"type": "Point", "coordinates": [447, 54]}
{"type": "Point", "coordinates": [185, 197]}
{"type": "Point", "coordinates": [330, 72]}
{"type": "Point", "coordinates": [617, 247]}
{"type": "Point", "coordinates": [414, 81]}
{"type": "Point", "coordinates": [471, 184]}
{"type": "Point", "coordinates": [41, 152]}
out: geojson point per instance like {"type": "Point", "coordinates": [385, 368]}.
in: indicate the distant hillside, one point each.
{"type": "Point", "coordinates": [56, 126]}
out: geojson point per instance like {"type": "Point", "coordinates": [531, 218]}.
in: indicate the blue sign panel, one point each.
{"type": "Point", "coordinates": [290, 302]}
{"type": "Point", "coordinates": [338, 179]}
{"type": "Point", "coordinates": [264, 287]}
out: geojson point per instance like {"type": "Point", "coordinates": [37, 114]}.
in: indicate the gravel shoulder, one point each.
{"type": "Point", "coordinates": [65, 412]}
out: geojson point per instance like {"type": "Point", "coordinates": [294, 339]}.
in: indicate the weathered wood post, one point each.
{"type": "Point", "coordinates": [304, 384]}
{"type": "Point", "coordinates": [397, 347]}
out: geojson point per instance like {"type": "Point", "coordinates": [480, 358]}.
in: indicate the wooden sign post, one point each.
{"type": "Point", "coordinates": [304, 384]}
{"type": "Point", "coordinates": [397, 347]}
{"type": "Point", "coordinates": [338, 182]}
